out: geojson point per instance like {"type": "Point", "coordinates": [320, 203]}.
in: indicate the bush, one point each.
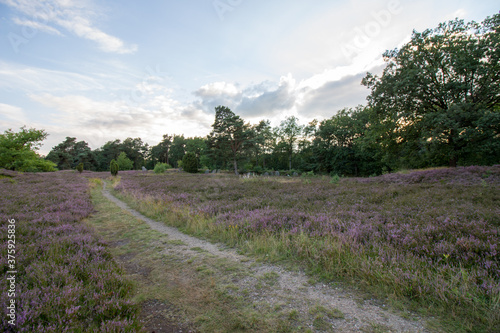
{"type": "Point", "coordinates": [190, 163]}
{"type": "Point", "coordinates": [335, 179]}
{"type": "Point", "coordinates": [161, 167]}
{"type": "Point", "coordinates": [113, 167]}
{"type": "Point", "coordinates": [79, 167]}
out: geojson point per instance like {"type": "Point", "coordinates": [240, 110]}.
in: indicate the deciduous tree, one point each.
{"type": "Point", "coordinates": [439, 96]}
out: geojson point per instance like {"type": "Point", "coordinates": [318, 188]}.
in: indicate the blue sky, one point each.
{"type": "Point", "coordinates": [105, 70]}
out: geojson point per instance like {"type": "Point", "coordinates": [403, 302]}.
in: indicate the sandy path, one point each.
{"type": "Point", "coordinates": [293, 288]}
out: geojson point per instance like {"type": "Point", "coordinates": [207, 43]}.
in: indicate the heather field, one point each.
{"type": "Point", "coordinates": [65, 280]}
{"type": "Point", "coordinates": [427, 240]}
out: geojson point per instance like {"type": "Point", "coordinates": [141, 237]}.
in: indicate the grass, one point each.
{"type": "Point", "coordinates": [198, 289]}
{"type": "Point", "coordinates": [424, 240]}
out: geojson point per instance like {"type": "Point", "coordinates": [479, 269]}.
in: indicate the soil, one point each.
{"type": "Point", "coordinates": [291, 289]}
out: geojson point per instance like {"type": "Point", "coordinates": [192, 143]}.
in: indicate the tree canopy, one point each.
{"type": "Point", "coordinates": [18, 151]}
{"type": "Point", "coordinates": [438, 98]}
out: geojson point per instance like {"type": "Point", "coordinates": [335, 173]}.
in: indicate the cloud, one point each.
{"type": "Point", "coordinates": [98, 121]}
{"type": "Point", "coordinates": [74, 16]}
{"type": "Point", "coordinates": [33, 79]}
{"type": "Point", "coordinates": [319, 96]}
{"type": "Point", "coordinates": [37, 26]}
{"type": "Point", "coordinates": [13, 113]}
{"type": "Point", "coordinates": [333, 96]}
{"type": "Point", "coordinates": [268, 102]}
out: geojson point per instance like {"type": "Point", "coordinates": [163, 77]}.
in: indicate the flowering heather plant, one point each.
{"type": "Point", "coordinates": [66, 280]}
{"type": "Point", "coordinates": [431, 236]}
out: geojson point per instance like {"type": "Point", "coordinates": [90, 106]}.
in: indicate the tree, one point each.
{"type": "Point", "coordinates": [69, 153]}
{"type": "Point", "coordinates": [340, 146]}
{"type": "Point", "coordinates": [79, 168]}
{"type": "Point", "coordinates": [136, 151]}
{"type": "Point", "coordinates": [160, 152]}
{"type": "Point", "coordinates": [190, 163]}
{"type": "Point", "coordinates": [113, 167]}
{"type": "Point", "coordinates": [289, 131]}
{"type": "Point", "coordinates": [18, 151]}
{"type": "Point", "coordinates": [109, 151]}
{"type": "Point", "coordinates": [230, 133]}
{"type": "Point", "coordinates": [177, 150]}
{"type": "Point", "coordinates": [262, 140]}
{"type": "Point", "coordinates": [438, 98]}
{"type": "Point", "coordinates": [124, 163]}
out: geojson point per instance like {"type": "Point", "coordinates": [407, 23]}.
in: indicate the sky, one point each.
{"type": "Point", "coordinates": [106, 70]}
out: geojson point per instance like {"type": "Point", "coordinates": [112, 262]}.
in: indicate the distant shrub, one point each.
{"type": "Point", "coordinates": [113, 167]}
{"type": "Point", "coordinates": [334, 179]}
{"type": "Point", "coordinates": [190, 163]}
{"type": "Point", "coordinates": [258, 169]}
{"type": "Point", "coordinates": [79, 167]}
{"type": "Point", "coordinates": [161, 167]}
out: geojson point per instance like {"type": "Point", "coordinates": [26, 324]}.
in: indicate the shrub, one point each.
{"type": "Point", "coordinates": [161, 167]}
{"type": "Point", "coordinates": [79, 167]}
{"type": "Point", "coordinates": [190, 163]}
{"type": "Point", "coordinates": [335, 179]}
{"type": "Point", "coordinates": [113, 167]}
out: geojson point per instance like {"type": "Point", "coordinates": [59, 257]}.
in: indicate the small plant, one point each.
{"type": "Point", "coordinates": [113, 167]}
{"type": "Point", "coordinates": [79, 167]}
{"type": "Point", "coordinates": [161, 167]}
{"type": "Point", "coordinates": [335, 179]}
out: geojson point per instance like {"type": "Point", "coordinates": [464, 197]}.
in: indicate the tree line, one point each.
{"type": "Point", "coordinates": [436, 103]}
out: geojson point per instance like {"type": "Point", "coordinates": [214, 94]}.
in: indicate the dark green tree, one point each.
{"type": "Point", "coordinates": [136, 150]}
{"type": "Point", "coordinates": [69, 153]}
{"type": "Point", "coordinates": [340, 145]}
{"type": "Point", "coordinates": [113, 167]}
{"type": "Point", "coordinates": [229, 135]}
{"type": "Point", "coordinates": [109, 151]}
{"type": "Point", "coordinates": [177, 149]}
{"type": "Point", "coordinates": [438, 99]}
{"type": "Point", "coordinates": [190, 163]}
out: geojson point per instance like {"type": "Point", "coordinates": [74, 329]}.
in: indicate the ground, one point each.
{"type": "Point", "coordinates": [186, 284]}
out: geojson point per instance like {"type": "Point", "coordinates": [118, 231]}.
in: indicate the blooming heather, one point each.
{"type": "Point", "coordinates": [431, 234]}
{"type": "Point", "coordinates": [66, 279]}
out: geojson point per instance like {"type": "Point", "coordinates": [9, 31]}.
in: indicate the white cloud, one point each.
{"type": "Point", "coordinates": [33, 79]}
{"type": "Point", "coordinates": [97, 122]}
{"type": "Point", "coordinates": [216, 89]}
{"type": "Point", "coordinates": [37, 26]}
{"type": "Point", "coordinates": [74, 16]}
{"type": "Point", "coordinates": [13, 113]}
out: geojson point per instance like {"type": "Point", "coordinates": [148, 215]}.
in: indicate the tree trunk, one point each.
{"type": "Point", "coordinates": [290, 162]}
{"type": "Point", "coordinates": [453, 162]}
{"type": "Point", "coordinates": [235, 166]}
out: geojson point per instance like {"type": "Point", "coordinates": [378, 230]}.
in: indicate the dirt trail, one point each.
{"type": "Point", "coordinates": [292, 288]}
